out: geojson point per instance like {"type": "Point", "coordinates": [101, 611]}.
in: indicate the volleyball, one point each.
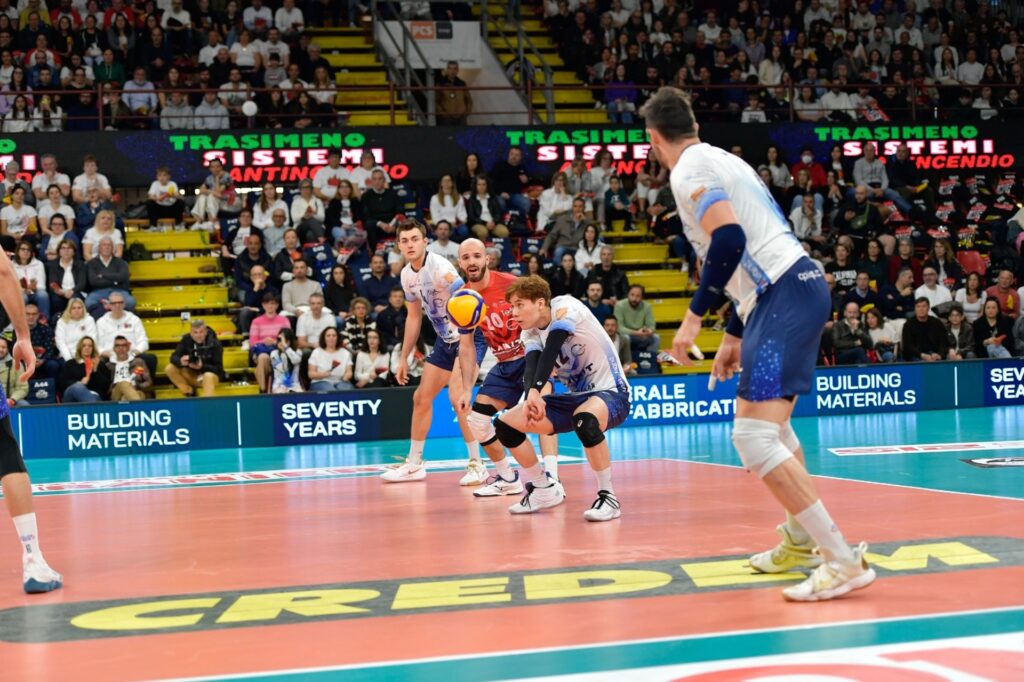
{"type": "Point", "coordinates": [249, 108]}
{"type": "Point", "coordinates": [466, 309]}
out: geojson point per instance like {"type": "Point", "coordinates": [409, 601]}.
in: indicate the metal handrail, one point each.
{"type": "Point", "coordinates": [521, 45]}
{"type": "Point", "coordinates": [429, 117]}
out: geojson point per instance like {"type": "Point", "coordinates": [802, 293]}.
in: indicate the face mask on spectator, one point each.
{"type": "Point", "coordinates": [807, 159]}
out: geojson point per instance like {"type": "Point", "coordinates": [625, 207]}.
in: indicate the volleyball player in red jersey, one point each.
{"type": "Point", "coordinates": [503, 386]}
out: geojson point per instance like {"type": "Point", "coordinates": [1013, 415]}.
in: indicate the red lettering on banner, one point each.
{"type": "Point", "coordinates": [422, 30]}
{"type": "Point", "coordinates": [836, 671]}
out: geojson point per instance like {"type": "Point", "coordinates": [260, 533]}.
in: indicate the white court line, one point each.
{"type": "Point", "coordinates": [924, 448]}
{"type": "Point", "coordinates": [859, 480]}
{"type": "Point", "coordinates": [600, 645]}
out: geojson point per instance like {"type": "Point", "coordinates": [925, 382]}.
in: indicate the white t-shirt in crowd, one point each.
{"type": "Point", "coordinates": [324, 361]}
{"type": "Point", "coordinates": [17, 219]}
{"type": "Point", "coordinates": [83, 182]}
{"type": "Point", "coordinates": [93, 237]}
{"type": "Point", "coordinates": [311, 328]}
{"type": "Point", "coordinates": [327, 180]}
{"type": "Point", "coordinates": [160, 189]}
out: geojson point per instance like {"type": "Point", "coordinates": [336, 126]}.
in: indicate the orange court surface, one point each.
{"type": "Point", "coordinates": [300, 564]}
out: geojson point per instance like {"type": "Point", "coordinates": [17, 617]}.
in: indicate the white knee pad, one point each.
{"type": "Point", "coordinates": [758, 444]}
{"type": "Point", "coordinates": [788, 437]}
{"type": "Point", "coordinates": [481, 426]}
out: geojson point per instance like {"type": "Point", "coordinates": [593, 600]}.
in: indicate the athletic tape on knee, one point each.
{"type": "Point", "coordinates": [788, 437]}
{"type": "Point", "coordinates": [758, 444]}
{"type": "Point", "coordinates": [588, 428]}
{"type": "Point", "coordinates": [509, 437]}
{"type": "Point", "coordinates": [481, 423]}
{"type": "Point", "coordinates": [11, 461]}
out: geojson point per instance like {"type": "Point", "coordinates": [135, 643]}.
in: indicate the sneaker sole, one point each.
{"type": "Point", "coordinates": [405, 479]}
{"type": "Point", "coordinates": [535, 509]}
{"type": "Point", "coordinates": [810, 564]}
{"type": "Point", "coordinates": [471, 483]}
{"type": "Point", "coordinates": [592, 519]}
{"type": "Point", "coordinates": [508, 491]}
{"type": "Point", "coordinates": [33, 586]}
{"type": "Point", "coordinates": [858, 583]}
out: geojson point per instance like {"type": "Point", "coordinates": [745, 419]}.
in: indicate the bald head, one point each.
{"type": "Point", "coordinates": [473, 260]}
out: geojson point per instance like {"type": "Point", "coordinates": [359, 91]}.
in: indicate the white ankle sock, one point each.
{"type": "Point", "coordinates": [537, 476]}
{"type": "Point", "coordinates": [416, 451]}
{"type": "Point", "coordinates": [29, 536]}
{"type": "Point", "coordinates": [504, 469]}
{"type": "Point", "coordinates": [551, 465]}
{"type": "Point", "coordinates": [797, 531]}
{"type": "Point", "coordinates": [822, 528]}
{"type": "Point", "coordinates": [604, 480]}
{"type": "Point", "coordinates": [473, 448]}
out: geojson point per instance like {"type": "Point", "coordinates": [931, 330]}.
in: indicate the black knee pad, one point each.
{"type": "Point", "coordinates": [11, 461]}
{"type": "Point", "coordinates": [509, 437]}
{"type": "Point", "coordinates": [588, 429]}
{"type": "Point", "coordinates": [486, 410]}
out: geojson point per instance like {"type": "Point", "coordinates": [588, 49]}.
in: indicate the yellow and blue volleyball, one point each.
{"type": "Point", "coordinates": [466, 309]}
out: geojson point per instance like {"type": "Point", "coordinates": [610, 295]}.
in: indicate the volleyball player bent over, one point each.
{"type": "Point", "coordinates": [503, 385]}
{"type": "Point", "coordinates": [562, 334]}
{"type": "Point", "coordinates": [429, 281]}
{"type": "Point", "coordinates": [750, 253]}
{"type": "Point", "coordinates": [37, 575]}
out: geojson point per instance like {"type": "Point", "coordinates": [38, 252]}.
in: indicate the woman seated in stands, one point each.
{"type": "Point", "coordinates": [566, 280]}
{"type": "Point", "coordinates": [993, 332]}
{"type": "Point", "coordinates": [483, 212]}
{"type": "Point", "coordinates": [357, 325]}
{"type": "Point", "coordinates": [340, 291]}
{"type": "Point", "coordinates": [85, 379]}
{"type": "Point", "coordinates": [104, 227]}
{"type": "Point", "coordinates": [449, 205]}
{"type": "Point", "coordinates": [373, 364]}
{"type": "Point", "coordinates": [330, 365]}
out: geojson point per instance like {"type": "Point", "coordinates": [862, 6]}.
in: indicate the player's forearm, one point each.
{"type": "Point", "coordinates": [467, 361]}
{"type": "Point", "coordinates": [412, 332]}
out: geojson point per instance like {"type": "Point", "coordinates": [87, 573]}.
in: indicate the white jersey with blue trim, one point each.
{"type": "Point", "coordinates": [705, 175]}
{"type": "Point", "coordinates": [588, 360]}
{"type": "Point", "coordinates": [432, 285]}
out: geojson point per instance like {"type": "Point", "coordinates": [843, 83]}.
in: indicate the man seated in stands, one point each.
{"type": "Point", "coordinates": [567, 232]}
{"type": "Point", "coordinates": [601, 310]}
{"type": "Point", "coordinates": [391, 320]}
{"type": "Point", "coordinates": [636, 319]}
{"type": "Point", "coordinates": [898, 297]}
{"type": "Point", "coordinates": [442, 244]}
{"type": "Point", "coordinates": [104, 276]}
{"type": "Point", "coordinates": [1008, 297]}
{"type": "Point", "coordinates": [850, 337]}
{"type": "Point", "coordinates": [622, 345]}
{"type": "Point", "coordinates": [120, 322]}
{"type": "Point", "coordinates": [936, 293]}
{"type": "Point", "coordinates": [612, 278]}
{"type": "Point", "coordinates": [380, 206]}
{"type": "Point", "coordinates": [377, 285]}
{"type": "Point", "coordinates": [47, 361]}
{"type": "Point", "coordinates": [861, 293]}
{"type": "Point", "coordinates": [310, 325]}
{"type": "Point", "coordinates": [924, 336]}
{"type": "Point", "coordinates": [296, 293]}
{"type": "Point", "coordinates": [130, 379]}
{"type": "Point", "coordinates": [254, 255]}
{"type": "Point", "coordinates": [197, 361]}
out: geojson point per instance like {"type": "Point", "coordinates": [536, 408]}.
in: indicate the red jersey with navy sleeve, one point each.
{"type": "Point", "coordinates": [499, 327]}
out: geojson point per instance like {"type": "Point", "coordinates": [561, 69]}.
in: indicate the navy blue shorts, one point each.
{"type": "Point", "coordinates": [560, 408]}
{"type": "Point", "coordinates": [783, 334]}
{"type": "Point", "coordinates": [505, 382]}
{"type": "Point", "coordinates": [445, 355]}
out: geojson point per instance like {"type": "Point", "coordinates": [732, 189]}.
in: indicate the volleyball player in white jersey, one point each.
{"type": "Point", "coordinates": [429, 281]}
{"type": "Point", "coordinates": [562, 335]}
{"type": "Point", "coordinates": [782, 303]}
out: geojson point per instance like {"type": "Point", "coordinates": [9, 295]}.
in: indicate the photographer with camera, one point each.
{"type": "Point", "coordinates": [198, 361]}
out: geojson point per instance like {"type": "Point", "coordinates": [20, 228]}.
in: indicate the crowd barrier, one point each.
{"type": "Point", "coordinates": [310, 419]}
{"type": "Point", "coordinates": [130, 159]}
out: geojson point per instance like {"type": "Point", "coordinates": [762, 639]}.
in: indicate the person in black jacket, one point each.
{"type": "Point", "coordinates": [490, 219]}
{"type": "Point", "coordinates": [62, 276]}
{"type": "Point", "coordinates": [391, 320]}
{"type": "Point", "coordinates": [566, 280]}
{"type": "Point", "coordinates": [993, 332]}
{"type": "Point", "coordinates": [924, 336]}
{"type": "Point", "coordinates": [103, 275]}
{"type": "Point", "coordinates": [253, 255]}
{"type": "Point", "coordinates": [613, 280]}
{"type": "Point", "coordinates": [197, 361]}
{"type": "Point", "coordinates": [85, 379]}
{"type": "Point", "coordinates": [509, 177]}
{"type": "Point", "coordinates": [380, 206]}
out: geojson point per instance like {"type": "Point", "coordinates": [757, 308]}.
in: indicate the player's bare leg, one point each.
{"type": "Point", "coordinates": [431, 382]}
{"type": "Point", "coordinates": [760, 435]}
{"type": "Point", "coordinates": [591, 421]}
{"type": "Point", "coordinates": [17, 488]}
{"type": "Point", "coordinates": [542, 491]}
{"type": "Point", "coordinates": [476, 472]}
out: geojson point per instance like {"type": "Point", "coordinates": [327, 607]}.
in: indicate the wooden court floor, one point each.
{"type": "Point", "coordinates": [298, 565]}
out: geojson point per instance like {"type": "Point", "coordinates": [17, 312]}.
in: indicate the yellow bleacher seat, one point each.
{"type": "Point", "coordinates": [659, 281]}
{"type": "Point", "coordinates": [708, 340]}
{"type": "Point", "coordinates": [669, 310]}
{"type": "Point", "coordinates": [236, 360]}
{"type": "Point", "coordinates": [172, 241]}
{"type": "Point", "coordinates": [170, 392]}
{"type": "Point", "coordinates": [368, 58]}
{"type": "Point", "coordinates": [581, 116]}
{"type": "Point", "coordinates": [700, 367]}
{"type": "Point", "coordinates": [362, 78]}
{"type": "Point", "coordinates": [196, 297]}
{"type": "Point", "coordinates": [640, 253]}
{"type": "Point", "coordinates": [367, 118]}
{"type": "Point", "coordinates": [171, 329]}
{"type": "Point", "coordinates": [176, 269]}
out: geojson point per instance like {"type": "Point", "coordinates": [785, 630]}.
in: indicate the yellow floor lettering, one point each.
{"type": "Point", "coordinates": [733, 572]}
{"type": "Point", "coordinates": [570, 585]}
{"type": "Point", "coordinates": [451, 593]}
{"type": "Point", "coordinates": [140, 616]}
{"type": "Point", "coordinates": [311, 603]}
{"type": "Point", "coordinates": [915, 557]}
